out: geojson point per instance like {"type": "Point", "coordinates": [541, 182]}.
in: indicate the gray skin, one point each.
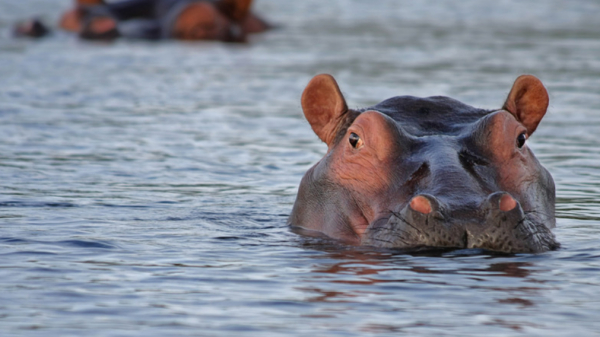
{"type": "Point", "coordinates": [428, 173]}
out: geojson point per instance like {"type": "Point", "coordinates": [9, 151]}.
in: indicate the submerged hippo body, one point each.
{"type": "Point", "coordinates": [413, 173]}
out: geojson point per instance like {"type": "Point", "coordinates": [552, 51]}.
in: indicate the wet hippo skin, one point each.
{"type": "Point", "coordinates": [416, 173]}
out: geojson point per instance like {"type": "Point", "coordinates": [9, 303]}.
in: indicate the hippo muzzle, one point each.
{"type": "Point", "coordinates": [499, 224]}
{"type": "Point", "coordinates": [418, 173]}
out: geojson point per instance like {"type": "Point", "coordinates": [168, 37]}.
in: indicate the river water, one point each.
{"type": "Point", "coordinates": [145, 187]}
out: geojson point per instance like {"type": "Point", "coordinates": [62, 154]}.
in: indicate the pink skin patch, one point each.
{"type": "Point", "coordinates": [421, 204]}
{"type": "Point", "coordinates": [507, 203]}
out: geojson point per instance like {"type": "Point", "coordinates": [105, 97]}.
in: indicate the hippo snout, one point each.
{"type": "Point", "coordinates": [497, 224]}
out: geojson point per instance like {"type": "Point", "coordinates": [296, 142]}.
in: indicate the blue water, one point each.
{"type": "Point", "coordinates": [145, 187]}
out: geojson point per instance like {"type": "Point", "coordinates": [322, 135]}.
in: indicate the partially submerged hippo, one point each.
{"type": "Point", "coordinates": [219, 20]}
{"type": "Point", "coordinates": [414, 173]}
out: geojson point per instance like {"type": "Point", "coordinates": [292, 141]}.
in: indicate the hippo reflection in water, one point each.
{"type": "Point", "coordinates": [415, 173]}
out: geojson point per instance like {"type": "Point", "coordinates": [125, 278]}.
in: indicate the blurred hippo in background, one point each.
{"type": "Point", "coordinates": [219, 20]}
{"type": "Point", "coordinates": [31, 28]}
{"type": "Point", "coordinates": [419, 173]}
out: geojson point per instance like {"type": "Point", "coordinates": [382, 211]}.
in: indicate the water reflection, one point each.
{"type": "Point", "coordinates": [349, 274]}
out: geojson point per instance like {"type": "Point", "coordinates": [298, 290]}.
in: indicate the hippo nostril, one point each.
{"type": "Point", "coordinates": [507, 203]}
{"type": "Point", "coordinates": [421, 204]}
{"type": "Point", "coordinates": [501, 201]}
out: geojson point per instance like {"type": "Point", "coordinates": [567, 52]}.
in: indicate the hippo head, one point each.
{"type": "Point", "coordinates": [418, 173]}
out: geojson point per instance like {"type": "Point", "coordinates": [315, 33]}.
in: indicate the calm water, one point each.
{"type": "Point", "coordinates": [144, 187]}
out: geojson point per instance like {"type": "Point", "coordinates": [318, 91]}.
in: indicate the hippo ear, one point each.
{"type": "Point", "coordinates": [527, 101]}
{"type": "Point", "coordinates": [323, 104]}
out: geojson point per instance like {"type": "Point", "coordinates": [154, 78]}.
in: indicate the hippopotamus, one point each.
{"type": "Point", "coordinates": [220, 20]}
{"type": "Point", "coordinates": [415, 173]}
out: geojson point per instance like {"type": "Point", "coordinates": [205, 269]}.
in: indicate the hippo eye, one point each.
{"type": "Point", "coordinates": [521, 140]}
{"type": "Point", "coordinates": [355, 140]}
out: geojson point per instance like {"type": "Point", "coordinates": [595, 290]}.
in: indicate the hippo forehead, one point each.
{"type": "Point", "coordinates": [437, 115]}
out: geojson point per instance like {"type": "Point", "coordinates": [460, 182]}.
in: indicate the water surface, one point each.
{"type": "Point", "coordinates": [145, 187]}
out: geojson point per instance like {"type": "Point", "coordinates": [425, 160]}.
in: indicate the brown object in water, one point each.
{"type": "Point", "coordinates": [236, 10]}
{"type": "Point", "coordinates": [201, 21]}
{"type": "Point", "coordinates": [71, 20]}
{"type": "Point", "coordinates": [253, 24]}
{"type": "Point", "coordinates": [100, 28]}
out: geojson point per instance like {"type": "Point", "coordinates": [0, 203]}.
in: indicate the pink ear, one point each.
{"type": "Point", "coordinates": [323, 105]}
{"type": "Point", "coordinates": [527, 101]}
